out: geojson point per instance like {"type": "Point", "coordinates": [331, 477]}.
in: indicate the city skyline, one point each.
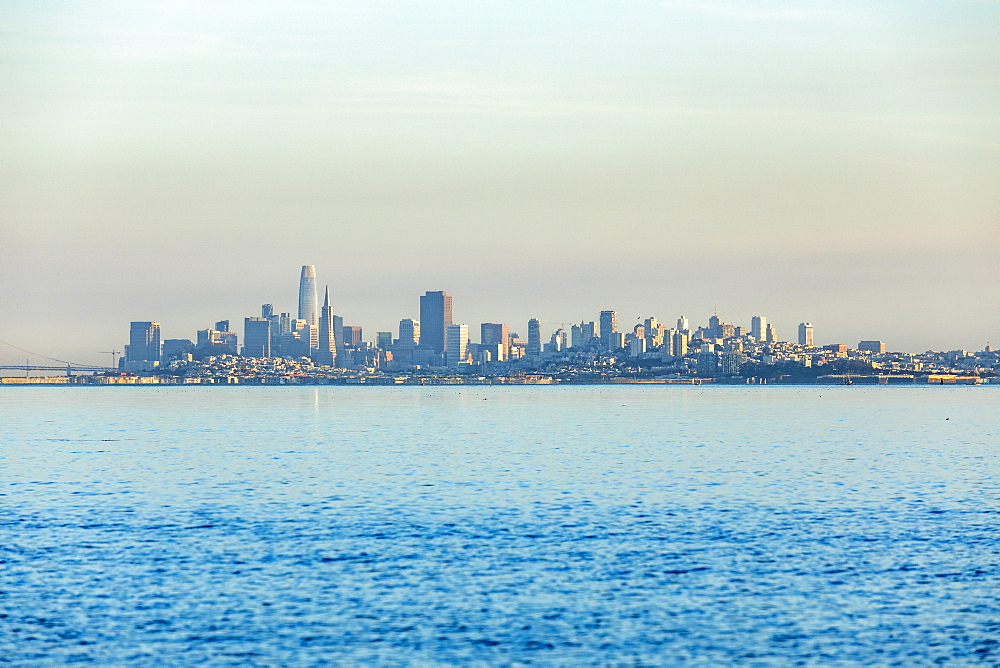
{"type": "Point", "coordinates": [827, 164]}
{"type": "Point", "coordinates": [435, 333]}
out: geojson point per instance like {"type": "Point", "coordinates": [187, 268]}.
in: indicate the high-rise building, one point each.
{"type": "Point", "coordinates": [352, 335]}
{"type": "Point", "coordinates": [326, 349]}
{"type": "Point", "coordinates": [383, 340]}
{"type": "Point", "coordinates": [143, 342]}
{"type": "Point", "coordinates": [409, 334]}
{"type": "Point", "coordinates": [770, 334]}
{"type": "Point", "coordinates": [559, 340]}
{"type": "Point", "coordinates": [435, 318]}
{"type": "Point", "coordinates": [582, 334]}
{"type": "Point", "coordinates": [494, 334]}
{"type": "Point", "coordinates": [176, 348]}
{"type": "Point", "coordinates": [256, 337]}
{"type": "Point", "coordinates": [758, 327]}
{"type": "Point", "coordinates": [715, 327]}
{"type": "Point", "coordinates": [609, 326]}
{"type": "Point", "coordinates": [457, 348]}
{"type": "Point", "coordinates": [680, 343]}
{"type": "Point", "coordinates": [308, 307]}
{"type": "Point", "coordinates": [534, 338]}
{"type": "Point", "coordinates": [683, 324]}
{"type": "Point", "coordinates": [338, 328]}
{"type": "Point", "coordinates": [805, 334]}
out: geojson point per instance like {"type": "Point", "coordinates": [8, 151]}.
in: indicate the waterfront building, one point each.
{"type": "Point", "coordinates": [609, 327]}
{"type": "Point", "coordinates": [435, 318]}
{"type": "Point", "coordinates": [308, 308]}
{"type": "Point", "coordinates": [534, 338]}
{"type": "Point", "coordinates": [805, 334]}
{"type": "Point", "coordinates": [256, 337]}
{"type": "Point", "coordinates": [326, 350]}
{"type": "Point", "coordinates": [457, 347]}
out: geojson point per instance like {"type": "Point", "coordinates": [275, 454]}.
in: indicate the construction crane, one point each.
{"type": "Point", "coordinates": [114, 356]}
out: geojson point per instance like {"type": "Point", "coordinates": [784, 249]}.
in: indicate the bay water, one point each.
{"type": "Point", "coordinates": [638, 525]}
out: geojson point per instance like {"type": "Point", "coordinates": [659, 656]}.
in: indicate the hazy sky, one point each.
{"type": "Point", "coordinates": [836, 163]}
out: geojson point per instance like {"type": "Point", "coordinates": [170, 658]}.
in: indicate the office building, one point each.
{"type": "Point", "coordinates": [758, 327]}
{"type": "Point", "coordinates": [680, 343]}
{"type": "Point", "coordinates": [534, 338]}
{"type": "Point", "coordinates": [805, 334]}
{"type": "Point", "coordinates": [409, 335]}
{"type": "Point", "coordinates": [872, 346]}
{"type": "Point", "coordinates": [326, 349]}
{"type": "Point", "coordinates": [683, 324]}
{"type": "Point", "coordinates": [383, 340]}
{"type": "Point", "coordinates": [256, 337]}
{"type": "Point", "coordinates": [143, 342]}
{"type": "Point", "coordinates": [352, 336]}
{"type": "Point", "coordinates": [495, 334]}
{"type": "Point", "coordinates": [559, 340]}
{"type": "Point", "coordinates": [457, 347]}
{"type": "Point", "coordinates": [491, 333]}
{"type": "Point", "coordinates": [176, 348]}
{"type": "Point", "coordinates": [308, 307]}
{"type": "Point", "coordinates": [609, 326]}
{"type": "Point", "coordinates": [338, 328]}
{"type": "Point", "coordinates": [435, 318]}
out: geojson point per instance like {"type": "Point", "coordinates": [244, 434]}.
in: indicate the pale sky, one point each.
{"type": "Point", "coordinates": [837, 163]}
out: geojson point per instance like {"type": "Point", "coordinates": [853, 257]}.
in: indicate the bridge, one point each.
{"type": "Point", "coordinates": [17, 359]}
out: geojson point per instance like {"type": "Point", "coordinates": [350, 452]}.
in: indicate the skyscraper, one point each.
{"type": "Point", "coordinates": [435, 318]}
{"type": "Point", "coordinates": [326, 349]}
{"type": "Point", "coordinates": [805, 334]}
{"type": "Point", "coordinates": [143, 342]}
{"type": "Point", "coordinates": [256, 337]}
{"type": "Point", "coordinates": [609, 325]}
{"type": "Point", "coordinates": [308, 309]}
{"type": "Point", "coordinates": [534, 338]}
{"type": "Point", "coordinates": [409, 332]}
{"type": "Point", "coordinates": [495, 334]}
{"type": "Point", "coordinates": [683, 324]}
{"type": "Point", "coordinates": [758, 327]}
{"type": "Point", "coordinates": [458, 345]}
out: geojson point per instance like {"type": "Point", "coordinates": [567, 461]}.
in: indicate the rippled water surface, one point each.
{"type": "Point", "coordinates": [498, 525]}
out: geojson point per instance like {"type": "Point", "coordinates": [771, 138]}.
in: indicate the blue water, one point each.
{"type": "Point", "coordinates": [500, 525]}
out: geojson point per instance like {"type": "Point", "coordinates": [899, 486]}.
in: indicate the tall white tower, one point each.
{"type": "Point", "coordinates": [326, 352]}
{"type": "Point", "coordinates": [308, 308]}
